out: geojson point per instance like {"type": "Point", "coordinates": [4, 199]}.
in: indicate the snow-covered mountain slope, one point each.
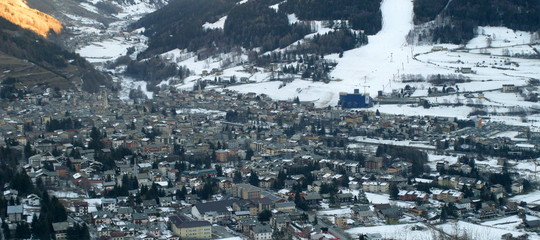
{"type": "Point", "coordinates": [96, 30]}
{"type": "Point", "coordinates": [372, 66]}
{"type": "Point", "coordinates": [90, 20]}
{"type": "Point", "coordinates": [380, 64]}
{"type": "Point", "coordinates": [388, 63]}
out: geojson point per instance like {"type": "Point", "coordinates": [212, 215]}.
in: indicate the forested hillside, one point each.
{"type": "Point", "coordinates": [427, 10]}
{"type": "Point", "coordinates": [179, 25]}
{"type": "Point", "coordinates": [466, 15]}
{"type": "Point", "coordinates": [60, 68]}
{"type": "Point", "coordinates": [254, 24]}
{"type": "Point", "coordinates": [362, 14]}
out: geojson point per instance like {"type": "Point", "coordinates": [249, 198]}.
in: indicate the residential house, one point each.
{"type": "Point", "coordinates": [15, 213]}
{"type": "Point", "coordinates": [81, 208]}
{"type": "Point", "coordinates": [108, 204]}
{"type": "Point", "coordinates": [185, 228]}
{"type": "Point", "coordinates": [102, 217]}
{"type": "Point", "coordinates": [213, 212]}
{"type": "Point", "coordinates": [125, 213]}
{"type": "Point", "coordinates": [285, 206]}
{"type": "Point", "coordinates": [413, 196]}
{"type": "Point", "coordinates": [261, 232]}
{"type": "Point", "coordinates": [246, 224]}
{"type": "Point", "coordinates": [388, 213]}
{"type": "Point", "coordinates": [313, 199]}
{"type": "Point", "coordinates": [517, 187]}
{"type": "Point", "coordinates": [488, 212]}
{"type": "Point", "coordinates": [117, 236]}
{"type": "Point", "coordinates": [362, 212]}
{"type": "Point", "coordinates": [373, 163]}
{"type": "Point", "coordinates": [447, 194]}
{"type": "Point", "coordinates": [374, 186]}
{"type": "Point", "coordinates": [263, 204]}
{"type": "Point", "coordinates": [280, 222]}
{"type": "Point", "coordinates": [532, 224]}
{"type": "Point", "coordinates": [199, 173]}
{"type": "Point", "coordinates": [246, 191]}
{"type": "Point", "coordinates": [241, 214]}
{"type": "Point", "coordinates": [140, 218]}
{"type": "Point", "coordinates": [60, 230]}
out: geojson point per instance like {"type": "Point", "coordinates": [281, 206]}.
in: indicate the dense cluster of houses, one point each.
{"type": "Point", "coordinates": [179, 140]}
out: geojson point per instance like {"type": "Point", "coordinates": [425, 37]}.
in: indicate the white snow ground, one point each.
{"type": "Point", "coordinates": [460, 228]}
{"type": "Point", "coordinates": [104, 51]}
{"type": "Point", "coordinates": [219, 24]}
{"type": "Point", "coordinates": [102, 45]}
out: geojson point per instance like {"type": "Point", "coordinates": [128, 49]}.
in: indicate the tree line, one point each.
{"type": "Point", "coordinates": [466, 15]}
{"type": "Point", "coordinates": [62, 124]}
{"type": "Point", "coordinates": [361, 14]}
{"type": "Point", "coordinates": [179, 25]}
{"type": "Point", "coordinates": [254, 24]}
{"type": "Point", "coordinates": [414, 156]}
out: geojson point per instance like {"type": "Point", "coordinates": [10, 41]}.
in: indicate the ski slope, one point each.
{"type": "Point", "coordinates": [375, 63]}
{"type": "Point", "coordinates": [381, 59]}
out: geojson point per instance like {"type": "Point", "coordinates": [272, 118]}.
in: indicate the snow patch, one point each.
{"type": "Point", "coordinates": [292, 18]}
{"type": "Point", "coordinates": [219, 24]}
{"type": "Point", "coordinates": [103, 51]}
{"type": "Point", "coordinates": [275, 6]}
{"type": "Point", "coordinates": [128, 83]}
{"type": "Point", "coordinates": [89, 7]}
{"type": "Point", "coordinates": [499, 37]}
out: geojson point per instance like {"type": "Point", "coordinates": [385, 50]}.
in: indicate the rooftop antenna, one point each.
{"type": "Point", "coordinates": [365, 86]}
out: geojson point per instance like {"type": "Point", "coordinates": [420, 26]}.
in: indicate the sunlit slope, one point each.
{"type": "Point", "coordinates": [19, 13]}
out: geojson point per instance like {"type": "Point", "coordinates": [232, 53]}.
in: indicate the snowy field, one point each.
{"type": "Point", "coordinates": [339, 212]}
{"type": "Point", "coordinates": [393, 142]}
{"type": "Point", "coordinates": [103, 51]}
{"type": "Point", "coordinates": [421, 231]}
{"type": "Point", "coordinates": [478, 232]}
{"type": "Point", "coordinates": [374, 198]}
{"type": "Point", "coordinates": [128, 83]}
{"type": "Point", "coordinates": [532, 198]}
{"type": "Point", "coordinates": [102, 45]}
{"type": "Point", "coordinates": [508, 223]}
{"type": "Point", "coordinates": [499, 37]}
{"type": "Point", "coordinates": [401, 231]}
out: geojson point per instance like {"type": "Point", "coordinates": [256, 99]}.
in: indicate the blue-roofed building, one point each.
{"type": "Point", "coordinates": [354, 100]}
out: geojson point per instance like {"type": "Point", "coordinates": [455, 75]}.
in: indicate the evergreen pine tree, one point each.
{"type": "Point", "coordinates": [394, 191]}
{"type": "Point", "coordinates": [6, 231]}
{"type": "Point", "coordinates": [237, 177]}
{"type": "Point", "coordinates": [22, 231]}
{"type": "Point", "coordinates": [254, 179]}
